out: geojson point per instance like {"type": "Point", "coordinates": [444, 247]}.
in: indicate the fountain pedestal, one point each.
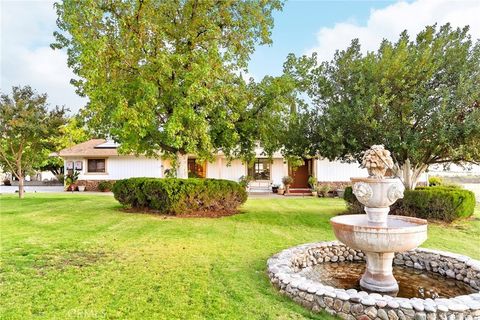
{"type": "Point", "coordinates": [378, 275]}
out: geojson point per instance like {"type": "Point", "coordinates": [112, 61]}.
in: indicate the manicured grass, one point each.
{"type": "Point", "coordinates": [78, 256]}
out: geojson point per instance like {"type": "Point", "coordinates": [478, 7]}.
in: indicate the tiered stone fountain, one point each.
{"type": "Point", "coordinates": [378, 235]}
{"type": "Point", "coordinates": [327, 275]}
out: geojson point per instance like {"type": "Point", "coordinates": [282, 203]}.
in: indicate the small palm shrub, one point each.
{"type": "Point", "coordinates": [312, 182]}
{"type": "Point", "coordinates": [180, 196]}
{"type": "Point", "coordinates": [71, 180]}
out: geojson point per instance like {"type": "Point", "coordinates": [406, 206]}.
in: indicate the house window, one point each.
{"type": "Point", "coordinates": [196, 169]}
{"type": "Point", "coordinates": [96, 165]}
{"type": "Point", "coordinates": [260, 170]}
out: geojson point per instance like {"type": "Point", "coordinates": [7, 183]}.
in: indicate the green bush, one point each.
{"type": "Point", "coordinates": [439, 203]}
{"type": "Point", "coordinates": [105, 186]}
{"type": "Point", "coordinates": [353, 205]}
{"type": "Point", "coordinates": [446, 203]}
{"type": "Point", "coordinates": [180, 196]}
{"type": "Point", "coordinates": [348, 195]}
{"type": "Point", "coordinates": [435, 181]}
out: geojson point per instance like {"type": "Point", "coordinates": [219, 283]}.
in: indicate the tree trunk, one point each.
{"type": "Point", "coordinates": [182, 166]}
{"type": "Point", "coordinates": [21, 190]}
{"type": "Point", "coordinates": [410, 175]}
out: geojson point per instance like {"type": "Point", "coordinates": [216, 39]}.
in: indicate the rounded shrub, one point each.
{"type": "Point", "coordinates": [439, 203]}
{"type": "Point", "coordinates": [446, 203]}
{"type": "Point", "coordinates": [353, 205]}
{"type": "Point", "coordinates": [180, 196]}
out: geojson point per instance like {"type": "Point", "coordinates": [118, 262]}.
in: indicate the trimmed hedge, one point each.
{"type": "Point", "coordinates": [431, 203]}
{"type": "Point", "coordinates": [180, 196]}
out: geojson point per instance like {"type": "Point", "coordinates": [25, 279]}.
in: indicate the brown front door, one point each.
{"type": "Point", "coordinates": [300, 175]}
{"type": "Point", "coordinates": [196, 169]}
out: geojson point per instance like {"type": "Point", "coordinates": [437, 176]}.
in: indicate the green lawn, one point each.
{"type": "Point", "coordinates": [77, 256]}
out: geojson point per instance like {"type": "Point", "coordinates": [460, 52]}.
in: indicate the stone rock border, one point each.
{"type": "Point", "coordinates": [351, 304]}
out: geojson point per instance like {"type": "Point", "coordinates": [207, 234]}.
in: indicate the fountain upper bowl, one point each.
{"type": "Point", "coordinates": [400, 233]}
{"type": "Point", "coordinates": [377, 193]}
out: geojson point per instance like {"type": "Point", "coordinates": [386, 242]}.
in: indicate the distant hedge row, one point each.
{"type": "Point", "coordinates": [180, 196]}
{"type": "Point", "coordinates": [437, 203]}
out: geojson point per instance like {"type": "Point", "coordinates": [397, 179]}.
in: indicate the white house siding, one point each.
{"type": "Point", "coordinates": [279, 170]}
{"type": "Point", "coordinates": [231, 171]}
{"type": "Point", "coordinates": [122, 167]}
{"type": "Point", "coordinates": [336, 171]}
{"type": "Point", "coordinates": [328, 171]}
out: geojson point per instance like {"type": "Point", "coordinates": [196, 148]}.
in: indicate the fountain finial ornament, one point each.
{"type": "Point", "coordinates": [377, 160]}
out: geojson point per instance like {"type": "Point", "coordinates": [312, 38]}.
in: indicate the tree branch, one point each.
{"type": "Point", "coordinates": [8, 162]}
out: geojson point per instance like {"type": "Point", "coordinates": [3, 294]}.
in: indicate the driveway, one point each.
{"type": "Point", "coordinates": [31, 189]}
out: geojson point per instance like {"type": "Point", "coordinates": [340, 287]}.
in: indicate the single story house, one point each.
{"type": "Point", "coordinates": [97, 160]}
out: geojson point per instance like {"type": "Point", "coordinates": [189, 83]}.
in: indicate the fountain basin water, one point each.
{"type": "Point", "coordinates": [379, 242]}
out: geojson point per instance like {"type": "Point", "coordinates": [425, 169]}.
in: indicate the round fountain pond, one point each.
{"type": "Point", "coordinates": [324, 276]}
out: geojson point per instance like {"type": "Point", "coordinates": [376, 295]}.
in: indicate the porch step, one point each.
{"type": "Point", "coordinates": [301, 190]}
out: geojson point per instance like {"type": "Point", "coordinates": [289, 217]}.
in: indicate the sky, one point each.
{"type": "Point", "coordinates": [303, 27]}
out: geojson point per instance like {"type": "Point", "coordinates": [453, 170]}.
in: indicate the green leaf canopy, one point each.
{"type": "Point", "coordinates": [166, 75]}
{"type": "Point", "coordinates": [420, 98]}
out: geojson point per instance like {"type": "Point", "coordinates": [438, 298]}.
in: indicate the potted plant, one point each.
{"type": "Point", "coordinates": [275, 188]}
{"type": "Point", "coordinates": [71, 179]}
{"type": "Point", "coordinates": [312, 182]}
{"type": "Point", "coordinates": [324, 190]}
{"type": "Point", "coordinates": [340, 193]}
{"type": "Point", "coordinates": [287, 181]}
{"type": "Point", "coordinates": [81, 188]}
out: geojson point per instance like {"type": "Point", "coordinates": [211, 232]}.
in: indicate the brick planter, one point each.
{"type": "Point", "coordinates": [90, 185]}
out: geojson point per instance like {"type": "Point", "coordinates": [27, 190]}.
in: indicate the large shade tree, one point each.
{"type": "Point", "coordinates": [164, 77]}
{"type": "Point", "coordinates": [420, 98]}
{"type": "Point", "coordinates": [28, 131]}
